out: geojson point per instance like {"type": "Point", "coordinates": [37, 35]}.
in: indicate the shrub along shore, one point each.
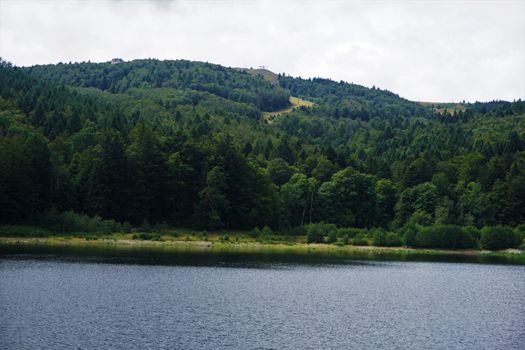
{"type": "Point", "coordinates": [442, 236]}
{"type": "Point", "coordinates": [71, 228]}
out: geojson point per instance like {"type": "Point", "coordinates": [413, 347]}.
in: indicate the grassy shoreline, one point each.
{"type": "Point", "coordinates": [119, 242]}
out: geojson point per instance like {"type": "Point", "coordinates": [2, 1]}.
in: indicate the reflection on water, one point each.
{"type": "Point", "coordinates": [160, 255]}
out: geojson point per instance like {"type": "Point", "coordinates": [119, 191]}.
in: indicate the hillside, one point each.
{"type": "Point", "coordinates": [295, 103]}
{"type": "Point", "coordinates": [266, 74]}
{"type": "Point", "coordinates": [231, 84]}
{"type": "Point", "coordinates": [186, 143]}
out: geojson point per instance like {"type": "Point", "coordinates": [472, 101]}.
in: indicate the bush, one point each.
{"type": "Point", "coordinates": [386, 239]}
{"type": "Point", "coordinates": [410, 234]}
{"type": "Point", "coordinates": [520, 231]}
{"type": "Point", "coordinates": [147, 236]}
{"type": "Point", "coordinates": [175, 233]}
{"type": "Point", "coordinates": [70, 221]}
{"type": "Point", "coordinates": [332, 237]}
{"type": "Point", "coordinates": [349, 232]}
{"type": "Point", "coordinates": [255, 233]}
{"type": "Point", "coordinates": [23, 231]}
{"type": "Point", "coordinates": [161, 226]}
{"type": "Point", "coordinates": [315, 232]}
{"type": "Point", "coordinates": [393, 240]}
{"type": "Point", "coordinates": [145, 227]}
{"type": "Point", "coordinates": [499, 237]}
{"type": "Point", "coordinates": [126, 227]}
{"type": "Point", "coordinates": [266, 231]}
{"type": "Point", "coordinates": [360, 239]}
{"type": "Point", "coordinates": [473, 231]}
{"type": "Point", "coordinates": [314, 237]}
{"type": "Point", "coordinates": [378, 237]}
{"type": "Point", "coordinates": [297, 231]}
{"type": "Point", "coordinates": [444, 236]}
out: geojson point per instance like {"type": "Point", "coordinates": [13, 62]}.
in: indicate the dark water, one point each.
{"type": "Point", "coordinates": [230, 302]}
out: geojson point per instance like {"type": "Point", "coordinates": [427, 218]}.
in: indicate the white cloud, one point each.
{"type": "Point", "coordinates": [430, 50]}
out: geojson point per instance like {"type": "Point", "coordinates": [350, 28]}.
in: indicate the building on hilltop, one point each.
{"type": "Point", "coordinates": [117, 61]}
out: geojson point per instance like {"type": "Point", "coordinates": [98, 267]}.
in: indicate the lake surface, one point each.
{"type": "Point", "coordinates": [66, 302]}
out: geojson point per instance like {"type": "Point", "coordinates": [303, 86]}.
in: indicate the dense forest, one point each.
{"type": "Point", "coordinates": [185, 144]}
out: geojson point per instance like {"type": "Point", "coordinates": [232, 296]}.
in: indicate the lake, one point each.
{"type": "Point", "coordinates": [240, 302]}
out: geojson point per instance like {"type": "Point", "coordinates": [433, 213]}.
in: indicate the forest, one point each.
{"type": "Point", "coordinates": [150, 143]}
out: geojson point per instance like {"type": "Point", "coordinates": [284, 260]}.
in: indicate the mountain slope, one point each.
{"type": "Point", "coordinates": [185, 143]}
{"type": "Point", "coordinates": [228, 83]}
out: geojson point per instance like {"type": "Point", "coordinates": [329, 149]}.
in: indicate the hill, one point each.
{"type": "Point", "coordinates": [186, 143]}
{"type": "Point", "coordinates": [231, 84]}
{"type": "Point", "coordinates": [295, 103]}
{"type": "Point", "coordinates": [266, 74]}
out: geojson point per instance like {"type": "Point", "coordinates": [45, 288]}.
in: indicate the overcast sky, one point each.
{"type": "Point", "coordinates": [428, 50]}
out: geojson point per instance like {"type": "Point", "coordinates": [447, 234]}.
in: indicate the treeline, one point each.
{"type": "Point", "coordinates": [433, 236]}
{"type": "Point", "coordinates": [344, 100]}
{"type": "Point", "coordinates": [145, 153]}
{"type": "Point", "coordinates": [231, 84]}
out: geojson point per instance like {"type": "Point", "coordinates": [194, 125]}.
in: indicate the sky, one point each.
{"type": "Point", "coordinates": [438, 51]}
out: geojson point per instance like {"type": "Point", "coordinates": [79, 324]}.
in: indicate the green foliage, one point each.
{"type": "Point", "coordinates": [332, 237]}
{"type": "Point", "coordinates": [297, 198]}
{"type": "Point", "coordinates": [314, 237]}
{"type": "Point", "coordinates": [146, 227]}
{"type": "Point", "coordinates": [147, 236]}
{"type": "Point", "coordinates": [70, 221]}
{"type": "Point", "coordinates": [348, 199]}
{"type": "Point", "coordinates": [255, 232]}
{"type": "Point", "coordinates": [349, 232]}
{"type": "Point", "coordinates": [315, 233]}
{"type": "Point", "coordinates": [231, 84]}
{"type": "Point", "coordinates": [383, 238]}
{"type": "Point", "coordinates": [213, 198]}
{"type": "Point", "coordinates": [445, 236]}
{"type": "Point", "coordinates": [183, 143]}
{"type": "Point", "coordinates": [418, 204]}
{"type": "Point", "coordinates": [297, 231]}
{"type": "Point", "coordinates": [360, 239]}
{"type": "Point", "coordinates": [473, 231]}
{"type": "Point", "coordinates": [349, 101]}
{"type": "Point", "coordinates": [520, 231]}
{"type": "Point", "coordinates": [498, 237]}
{"type": "Point", "coordinates": [393, 240]}
{"type": "Point", "coordinates": [90, 237]}
{"type": "Point", "coordinates": [279, 171]}
{"type": "Point", "coordinates": [23, 231]}
{"type": "Point", "coordinates": [386, 197]}
{"type": "Point", "coordinates": [378, 237]}
{"type": "Point", "coordinates": [25, 174]}
{"type": "Point", "coordinates": [410, 232]}
{"type": "Point", "coordinates": [266, 231]}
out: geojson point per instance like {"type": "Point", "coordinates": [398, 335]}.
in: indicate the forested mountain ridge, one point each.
{"type": "Point", "coordinates": [184, 143]}
{"type": "Point", "coordinates": [228, 83]}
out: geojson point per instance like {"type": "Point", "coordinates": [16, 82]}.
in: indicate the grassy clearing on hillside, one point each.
{"type": "Point", "coordinates": [445, 107]}
{"type": "Point", "coordinates": [295, 102]}
{"type": "Point", "coordinates": [266, 74]}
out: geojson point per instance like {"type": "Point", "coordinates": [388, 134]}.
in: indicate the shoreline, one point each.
{"type": "Point", "coordinates": [281, 248]}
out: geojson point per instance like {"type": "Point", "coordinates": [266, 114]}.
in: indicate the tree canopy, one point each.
{"type": "Point", "coordinates": [185, 143]}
